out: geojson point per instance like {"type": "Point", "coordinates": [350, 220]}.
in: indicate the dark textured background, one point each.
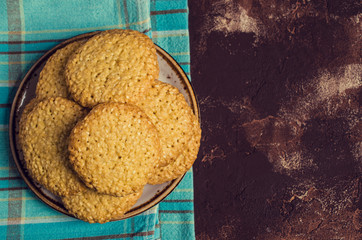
{"type": "Point", "coordinates": [279, 86]}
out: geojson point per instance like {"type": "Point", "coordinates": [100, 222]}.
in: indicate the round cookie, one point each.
{"type": "Point", "coordinates": [113, 66]}
{"type": "Point", "coordinates": [172, 116]}
{"type": "Point", "coordinates": [114, 148]}
{"type": "Point", "coordinates": [94, 207]}
{"type": "Point", "coordinates": [44, 135]}
{"type": "Point", "coordinates": [183, 162]}
{"type": "Point", "coordinates": [52, 78]}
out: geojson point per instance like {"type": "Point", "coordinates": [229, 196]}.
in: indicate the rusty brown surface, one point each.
{"type": "Point", "coordinates": [279, 86]}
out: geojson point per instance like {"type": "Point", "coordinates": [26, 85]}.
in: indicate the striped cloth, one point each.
{"type": "Point", "coordinates": [27, 30]}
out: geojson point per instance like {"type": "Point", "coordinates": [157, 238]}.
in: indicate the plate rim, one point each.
{"type": "Point", "coordinates": [12, 139]}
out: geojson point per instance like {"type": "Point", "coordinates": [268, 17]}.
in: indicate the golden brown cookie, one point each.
{"type": "Point", "coordinates": [44, 137]}
{"type": "Point", "coordinates": [172, 116]}
{"type": "Point", "coordinates": [52, 78]}
{"type": "Point", "coordinates": [113, 66]}
{"type": "Point", "coordinates": [94, 207]}
{"type": "Point", "coordinates": [114, 148]}
{"type": "Point", "coordinates": [183, 162]}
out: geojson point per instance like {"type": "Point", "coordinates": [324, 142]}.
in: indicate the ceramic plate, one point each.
{"type": "Point", "coordinates": [170, 72]}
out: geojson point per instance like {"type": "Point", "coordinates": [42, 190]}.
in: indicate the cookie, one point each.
{"type": "Point", "coordinates": [172, 116]}
{"type": "Point", "coordinates": [183, 162]}
{"type": "Point", "coordinates": [94, 207]}
{"type": "Point", "coordinates": [52, 79]}
{"type": "Point", "coordinates": [113, 66]}
{"type": "Point", "coordinates": [114, 148]}
{"type": "Point", "coordinates": [44, 137]}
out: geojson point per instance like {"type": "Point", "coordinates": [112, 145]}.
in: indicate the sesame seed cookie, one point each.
{"type": "Point", "coordinates": [94, 207]}
{"type": "Point", "coordinates": [114, 148]}
{"type": "Point", "coordinates": [113, 66]}
{"type": "Point", "coordinates": [172, 116]}
{"type": "Point", "coordinates": [183, 162]}
{"type": "Point", "coordinates": [52, 79]}
{"type": "Point", "coordinates": [44, 137]}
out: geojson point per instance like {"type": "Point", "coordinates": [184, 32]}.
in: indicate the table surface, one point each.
{"type": "Point", "coordinates": [279, 87]}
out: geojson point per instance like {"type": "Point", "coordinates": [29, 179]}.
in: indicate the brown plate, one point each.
{"type": "Point", "coordinates": [170, 72]}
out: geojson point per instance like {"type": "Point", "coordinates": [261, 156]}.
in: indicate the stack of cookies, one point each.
{"type": "Point", "coordinates": [102, 126]}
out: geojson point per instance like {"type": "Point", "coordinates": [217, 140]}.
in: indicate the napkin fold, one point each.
{"type": "Point", "coordinates": [30, 28]}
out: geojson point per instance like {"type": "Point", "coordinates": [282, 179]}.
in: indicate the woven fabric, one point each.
{"type": "Point", "coordinates": [27, 30]}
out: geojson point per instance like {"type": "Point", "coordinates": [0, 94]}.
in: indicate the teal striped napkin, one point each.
{"type": "Point", "coordinates": [27, 30]}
